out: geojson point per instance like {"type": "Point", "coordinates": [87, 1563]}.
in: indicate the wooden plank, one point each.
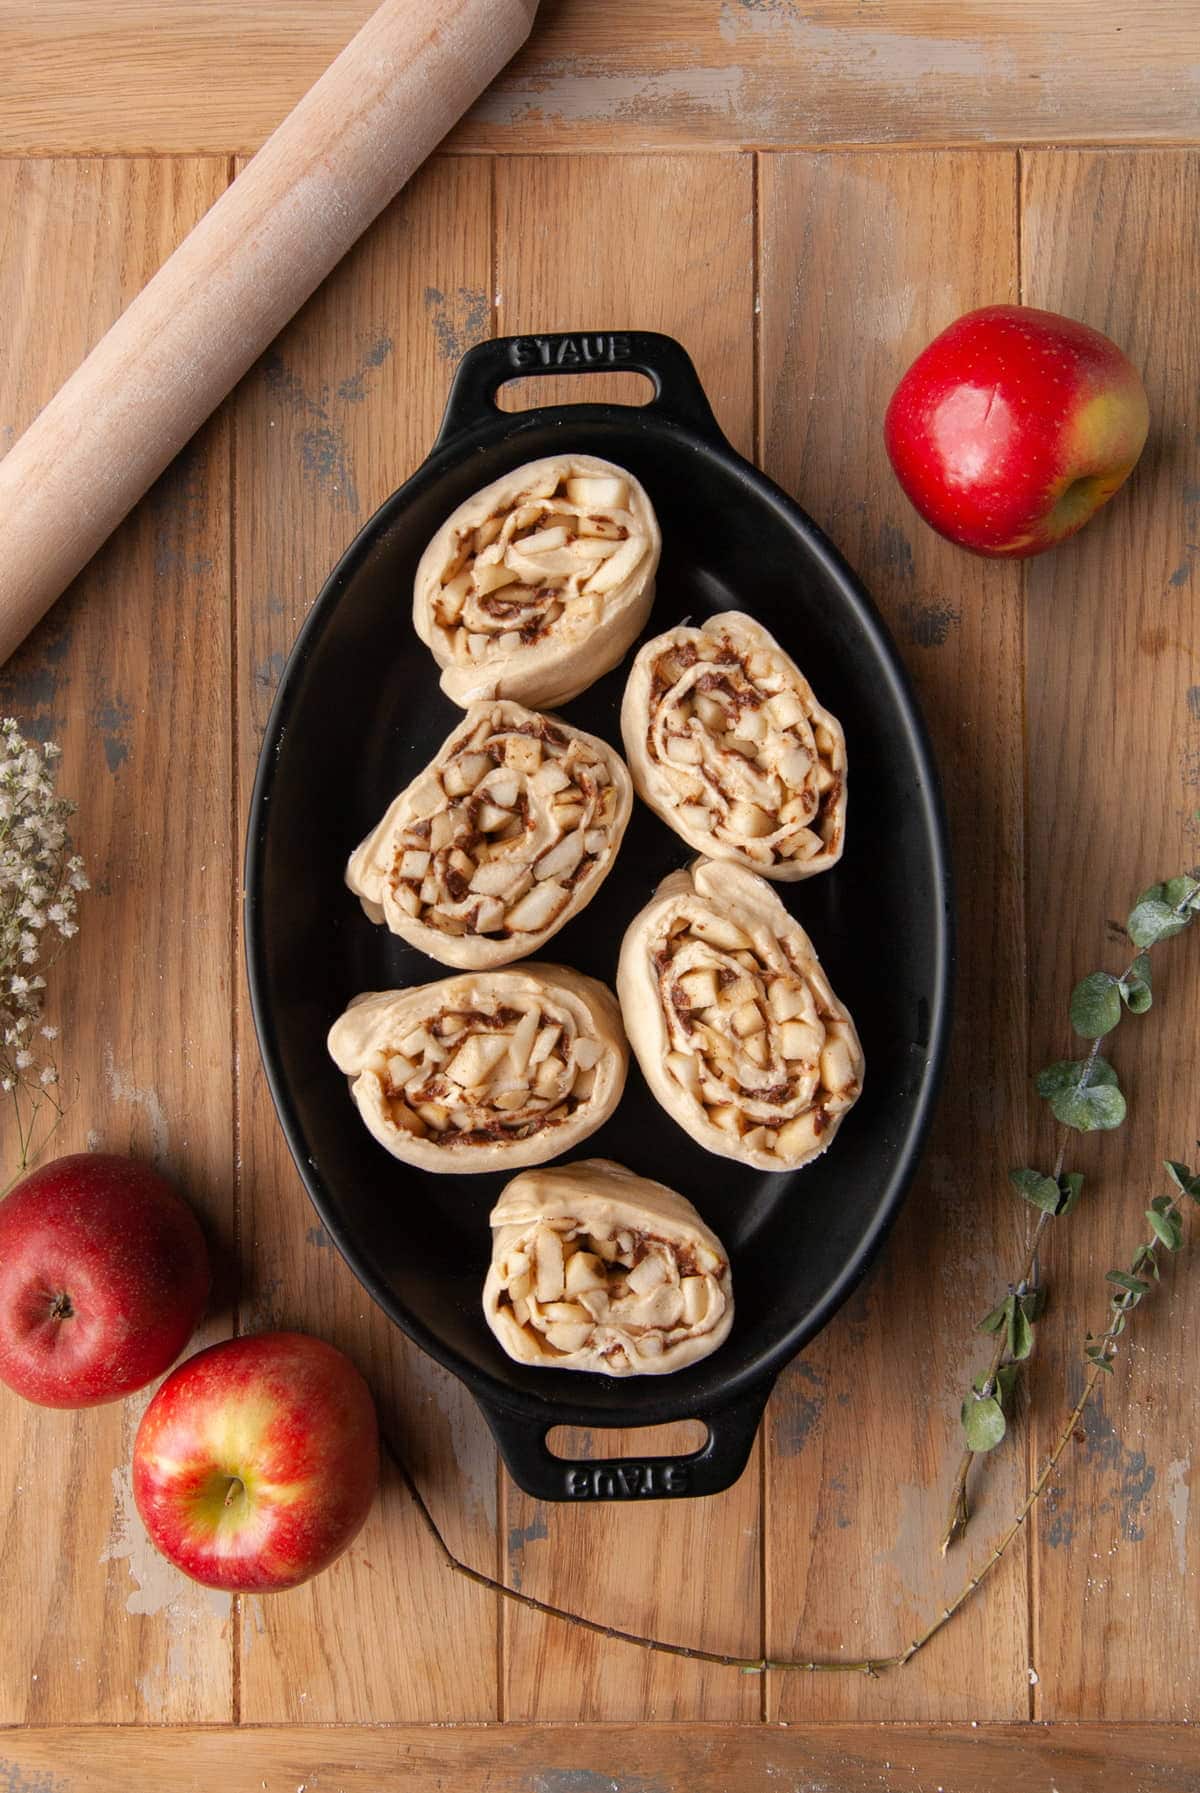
{"type": "Point", "coordinates": [334, 417]}
{"type": "Point", "coordinates": [218, 75]}
{"type": "Point", "coordinates": [704, 1758]}
{"type": "Point", "coordinates": [1114, 760]}
{"type": "Point", "coordinates": [865, 258]}
{"type": "Point", "coordinates": [681, 261]}
{"type": "Point", "coordinates": [130, 673]}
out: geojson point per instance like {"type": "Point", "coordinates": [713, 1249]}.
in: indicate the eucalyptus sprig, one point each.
{"type": "Point", "coordinates": [1085, 1096]}
{"type": "Point", "coordinates": [1166, 1221]}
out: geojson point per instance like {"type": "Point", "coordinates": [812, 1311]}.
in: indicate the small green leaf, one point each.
{"type": "Point", "coordinates": [1169, 1228]}
{"type": "Point", "coordinates": [1070, 1183]}
{"type": "Point", "coordinates": [1180, 891]}
{"type": "Point", "coordinates": [1095, 1005]}
{"type": "Point", "coordinates": [1152, 894]}
{"type": "Point", "coordinates": [1153, 921]}
{"type": "Point", "coordinates": [1091, 1110]}
{"type": "Point", "coordinates": [1042, 1191]}
{"type": "Point", "coordinates": [1132, 1284]}
{"type": "Point", "coordinates": [1091, 1107]}
{"type": "Point", "coordinates": [1033, 1304]}
{"type": "Point", "coordinates": [1007, 1377]}
{"type": "Point", "coordinates": [1067, 1072]}
{"type": "Point", "coordinates": [995, 1320]}
{"type": "Point", "coordinates": [983, 1423]}
{"type": "Point", "coordinates": [1118, 1325]}
{"type": "Point", "coordinates": [1163, 1203]}
{"type": "Point", "coordinates": [1101, 1362]}
{"type": "Point", "coordinates": [1183, 1179]}
{"type": "Point", "coordinates": [1020, 1333]}
{"type": "Point", "coordinates": [1135, 986]}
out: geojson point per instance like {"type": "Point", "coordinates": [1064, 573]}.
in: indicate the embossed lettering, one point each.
{"type": "Point", "coordinates": [626, 1481]}
{"type": "Point", "coordinates": [569, 351]}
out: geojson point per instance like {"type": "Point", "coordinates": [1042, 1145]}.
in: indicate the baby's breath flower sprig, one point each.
{"type": "Point", "coordinates": [1085, 1096]}
{"type": "Point", "coordinates": [41, 880]}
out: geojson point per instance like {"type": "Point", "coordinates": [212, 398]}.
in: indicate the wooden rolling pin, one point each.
{"type": "Point", "coordinates": [230, 287]}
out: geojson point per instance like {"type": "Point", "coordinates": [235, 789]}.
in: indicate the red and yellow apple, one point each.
{"type": "Point", "coordinates": [256, 1462]}
{"type": "Point", "coordinates": [1013, 427]}
{"type": "Point", "coordinates": [103, 1277]}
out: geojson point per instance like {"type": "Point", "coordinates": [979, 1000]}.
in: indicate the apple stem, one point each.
{"type": "Point", "coordinates": [236, 1487]}
{"type": "Point", "coordinates": [60, 1307]}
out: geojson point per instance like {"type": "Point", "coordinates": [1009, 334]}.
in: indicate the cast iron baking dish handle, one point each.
{"type": "Point", "coordinates": [678, 395]}
{"type": "Point", "coordinates": [711, 1469]}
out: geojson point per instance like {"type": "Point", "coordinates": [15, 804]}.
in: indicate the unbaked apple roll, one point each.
{"type": "Point", "coordinates": [594, 1268]}
{"type": "Point", "coordinates": [733, 1021]}
{"type": "Point", "coordinates": [727, 743]}
{"type": "Point", "coordinates": [540, 582]}
{"type": "Point", "coordinates": [507, 833]}
{"type": "Point", "coordinates": [485, 1071]}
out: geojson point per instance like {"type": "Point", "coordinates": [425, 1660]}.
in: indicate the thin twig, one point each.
{"type": "Point", "coordinates": [757, 1665]}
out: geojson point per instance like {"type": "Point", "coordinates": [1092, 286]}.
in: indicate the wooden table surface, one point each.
{"type": "Point", "coordinates": [804, 194]}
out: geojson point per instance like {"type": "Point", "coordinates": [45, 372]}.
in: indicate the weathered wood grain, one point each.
{"type": "Point", "coordinates": [1114, 783]}
{"type": "Point", "coordinates": [681, 261]}
{"type": "Point", "coordinates": [217, 76]}
{"type": "Point", "coordinates": [335, 416]}
{"type": "Point", "coordinates": [96, 1625]}
{"type": "Point", "coordinates": [703, 1758]}
{"type": "Point", "coordinates": [864, 258]}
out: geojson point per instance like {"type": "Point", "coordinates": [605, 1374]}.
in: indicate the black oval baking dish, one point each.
{"type": "Point", "coordinates": [359, 711]}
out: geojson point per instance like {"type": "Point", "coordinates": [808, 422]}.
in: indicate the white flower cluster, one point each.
{"type": "Point", "coordinates": [40, 882]}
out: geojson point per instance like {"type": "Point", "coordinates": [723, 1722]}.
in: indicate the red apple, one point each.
{"type": "Point", "coordinates": [256, 1462]}
{"type": "Point", "coordinates": [103, 1276]}
{"type": "Point", "coordinates": [1013, 427]}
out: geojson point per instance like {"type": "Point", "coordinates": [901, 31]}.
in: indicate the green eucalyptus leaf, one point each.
{"type": "Point", "coordinates": [1091, 1110]}
{"type": "Point", "coordinates": [1118, 1325]}
{"type": "Point", "coordinates": [1070, 1184]}
{"type": "Point", "coordinates": [1169, 1228]}
{"type": "Point", "coordinates": [1180, 891]}
{"type": "Point", "coordinates": [1033, 1304]}
{"type": "Point", "coordinates": [1153, 893]}
{"type": "Point", "coordinates": [983, 1423]}
{"type": "Point", "coordinates": [1066, 1074]}
{"type": "Point", "coordinates": [1135, 988]}
{"type": "Point", "coordinates": [1007, 1377]}
{"type": "Point", "coordinates": [1133, 1285]}
{"type": "Point", "coordinates": [1183, 1179]}
{"type": "Point", "coordinates": [1095, 1005]}
{"type": "Point", "coordinates": [1162, 1204]}
{"type": "Point", "coordinates": [1153, 921]}
{"type": "Point", "coordinates": [1020, 1333]}
{"type": "Point", "coordinates": [995, 1320]}
{"type": "Point", "coordinates": [1097, 1356]}
{"type": "Point", "coordinates": [1042, 1191]}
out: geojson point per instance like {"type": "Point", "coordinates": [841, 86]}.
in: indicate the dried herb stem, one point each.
{"type": "Point", "coordinates": [756, 1665]}
{"type": "Point", "coordinates": [872, 1666]}
{"type": "Point", "coordinates": [1097, 1005]}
